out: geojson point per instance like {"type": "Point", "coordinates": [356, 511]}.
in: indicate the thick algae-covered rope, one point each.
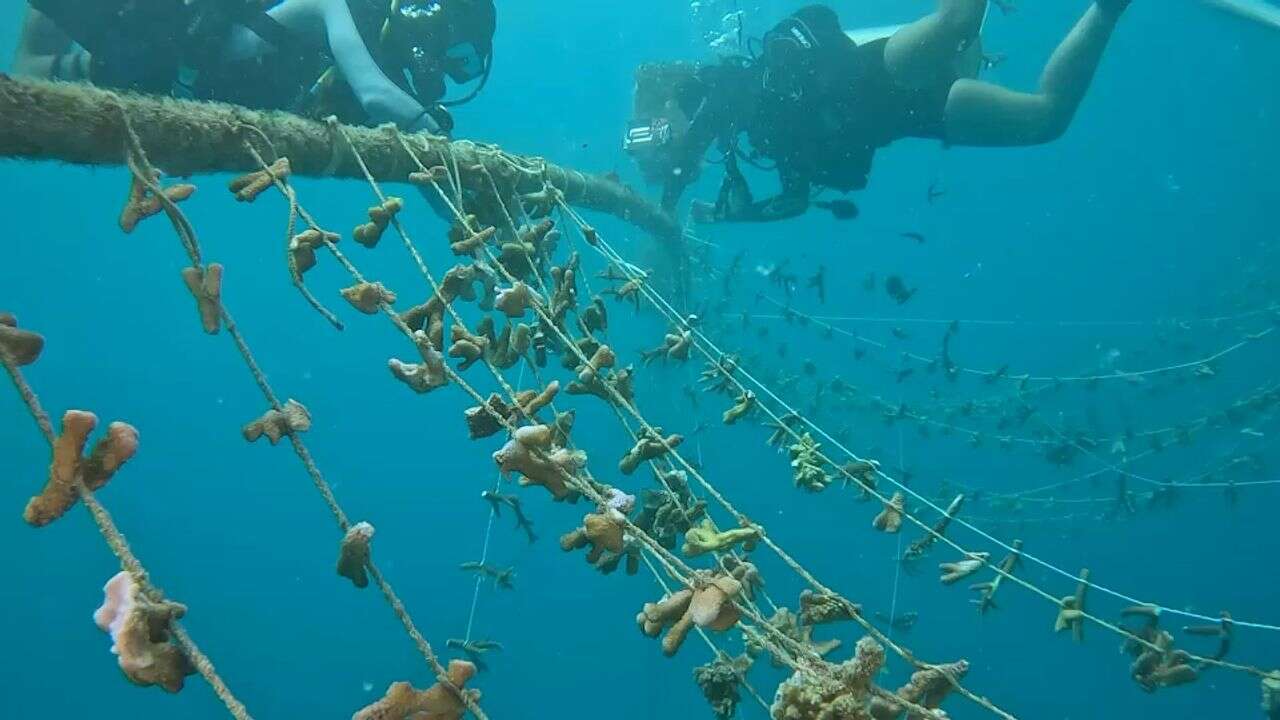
{"type": "Point", "coordinates": [82, 124]}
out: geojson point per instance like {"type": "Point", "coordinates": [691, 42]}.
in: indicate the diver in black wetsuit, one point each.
{"type": "Point", "coordinates": [817, 105]}
{"type": "Point", "coordinates": [366, 61]}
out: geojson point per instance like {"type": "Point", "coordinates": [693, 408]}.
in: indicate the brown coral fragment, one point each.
{"type": "Point", "coordinates": [368, 297]}
{"type": "Point", "coordinates": [602, 358]}
{"type": "Point", "coordinates": [21, 347]}
{"type": "Point", "coordinates": [354, 554]}
{"type": "Point", "coordinates": [515, 301]}
{"type": "Point", "coordinates": [303, 246]}
{"type": "Point", "coordinates": [840, 692]}
{"type": "Point", "coordinates": [206, 287]}
{"type": "Point", "coordinates": [141, 634]}
{"type": "Point", "coordinates": [467, 347]}
{"type": "Point", "coordinates": [651, 445]}
{"type": "Point", "coordinates": [926, 689]}
{"type": "Point", "coordinates": [142, 204]}
{"type": "Point", "coordinates": [275, 424]}
{"type": "Point", "coordinates": [114, 449]}
{"type": "Point", "coordinates": [890, 519]}
{"type": "Point", "coordinates": [821, 608]}
{"type": "Point", "coordinates": [439, 702]}
{"type": "Point", "coordinates": [249, 186]}
{"type": "Point", "coordinates": [380, 216]}
{"type": "Point", "coordinates": [1071, 609]}
{"type": "Point", "coordinates": [953, 572]}
{"type": "Point", "coordinates": [472, 243]}
{"type": "Point", "coordinates": [531, 452]}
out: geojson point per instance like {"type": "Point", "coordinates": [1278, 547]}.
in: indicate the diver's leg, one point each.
{"type": "Point", "coordinates": [980, 113]}
{"type": "Point", "coordinates": [919, 54]}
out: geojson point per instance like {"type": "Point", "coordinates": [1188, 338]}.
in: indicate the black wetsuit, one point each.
{"type": "Point", "coordinates": [826, 135]}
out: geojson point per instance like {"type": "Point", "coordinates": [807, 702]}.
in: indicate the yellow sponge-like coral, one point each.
{"type": "Point", "coordinates": [439, 702]}
{"type": "Point", "coordinates": [114, 449]}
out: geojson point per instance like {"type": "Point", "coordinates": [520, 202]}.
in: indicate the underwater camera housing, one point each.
{"type": "Point", "coordinates": [666, 96]}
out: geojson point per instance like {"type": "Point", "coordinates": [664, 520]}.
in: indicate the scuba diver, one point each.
{"type": "Point", "coordinates": [817, 102]}
{"type": "Point", "coordinates": [366, 61]}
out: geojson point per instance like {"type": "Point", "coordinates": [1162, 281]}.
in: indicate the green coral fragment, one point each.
{"type": "Point", "coordinates": [703, 538]}
{"type": "Point", "coordinates": [807, 465]}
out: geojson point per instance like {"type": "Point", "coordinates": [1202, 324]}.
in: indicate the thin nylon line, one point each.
{"type": "Point", "coordinates": [897, 555]}
{"type": "Point", "coordinates": [488, 533]}
{"type": "Point", "coordinates": [929, 503]}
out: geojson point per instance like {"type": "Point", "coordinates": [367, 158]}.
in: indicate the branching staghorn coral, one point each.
{"type": "Point", "coordinates": [22, 347]}
{"type": "Point", "coordinates": [837, 692]}
{"type": "Point", "coordinates": [718, 376]}
{"type": "Point", "coordinates": [380, 216]}
{"type": "Point", "coordinates": [68, 467]}
{"type": "Point", "coordinates": [437, 702]}
{"type": "Point", "coordinates": [807, 465]}
{"type": "Point", "coordinates": [819, 608]}
{"type": "Point", "coordinates": [142, 204]}
{"type": "Point", "coordinates": [650, 445]}
{"type": "Point", "coordinates": [354, 554]}
{"type": "Point", "coordinates": [276, 424]}
{"type": "Point", "coordinates": [141, 634]}
{"type": "Point", "coordinates": [953, 572]}
{"type": "Point", "coordinates": [604, 385]}
{"type": "Point", "coordinates": [986, 599]}
{"type": "Point", "coordinates": [719, 681]}
{"type": "Point", "coordinates": [1072, 610]}
{"type": "Point", "coordinates": [1224, 630]}
{"type": "Point", "coordinates": [702, 539]}
{"type": "Point", "coordinates": [788, 624]}
{"type": "Point", "coordinates": [668, 513]}
{"type": "Point", "coordinates": [926, 689]}
{"type": "Point", "coordinates": [708, 605]}
{"type": "Point", "coordinates": [205, 285]}
{"type": "Point", "coordinates": [922, 544]}
{"type": "Point", "coordinates": [1157, 663]}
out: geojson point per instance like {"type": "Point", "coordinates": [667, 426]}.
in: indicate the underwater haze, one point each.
{"type": "Point", "coordinates": [1107, 251]}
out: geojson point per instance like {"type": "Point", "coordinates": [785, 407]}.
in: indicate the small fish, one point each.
{"type": "Point", "coordinates": [910, 235]}
{"type": "Point", "coordinates": [502, 577]}
{"type": "Point", "coordinates": [496, 500]}
{"type": "Point", "coordinates": [839, 209]}
{"type": "Point", "coordinates": [819, 282]}
{"type": "Point", "coordinates": [474, 649]}
{"type": "Point", "coordinates": [935, 192]}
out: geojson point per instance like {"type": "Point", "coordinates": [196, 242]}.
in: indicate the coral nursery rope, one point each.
{"type": "Point", "coordinates": [120, 548]}
{"type": "Point", "coordinates": [143, 172]}
{"type": "Point", "coordinates": [665, 308]}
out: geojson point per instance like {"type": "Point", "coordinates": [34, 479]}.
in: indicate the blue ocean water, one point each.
{"type": "Point", "coordinates": [1155, 205]}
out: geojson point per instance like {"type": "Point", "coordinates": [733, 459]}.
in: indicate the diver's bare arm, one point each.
{"type": "Point", "coordinates": [984, 114]}
{"type": "Point", "coordinates": [44, 51]}
{"type": "Point", "coordinates": [331, 22]}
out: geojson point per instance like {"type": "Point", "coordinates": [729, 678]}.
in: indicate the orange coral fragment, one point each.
{"type": "Point", "coordinates": [206, 288]}
{"type": "Point", "coordinates": [709, 605]}
{"type": "Point", "coordinates": [141, 630]}
{"type": "Point", "coordinates": [22, 347]}
{"type": "Point", "coordinates": [142, 204]}
{"type": "Point", "coordinates": [111, 452]}
{"type": "Point", "coordinates": [380, 216]}
{"type": "Point", "coordinates": [531, 452]}
{"type": "Point", "coordinates": [439, 702]}
{"type": "Point", "coordinates": [248, 187]}
{"type": "Point", "coordinates": [368, 297]}
{"type": "Point", "coordinates": [303, 246]}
